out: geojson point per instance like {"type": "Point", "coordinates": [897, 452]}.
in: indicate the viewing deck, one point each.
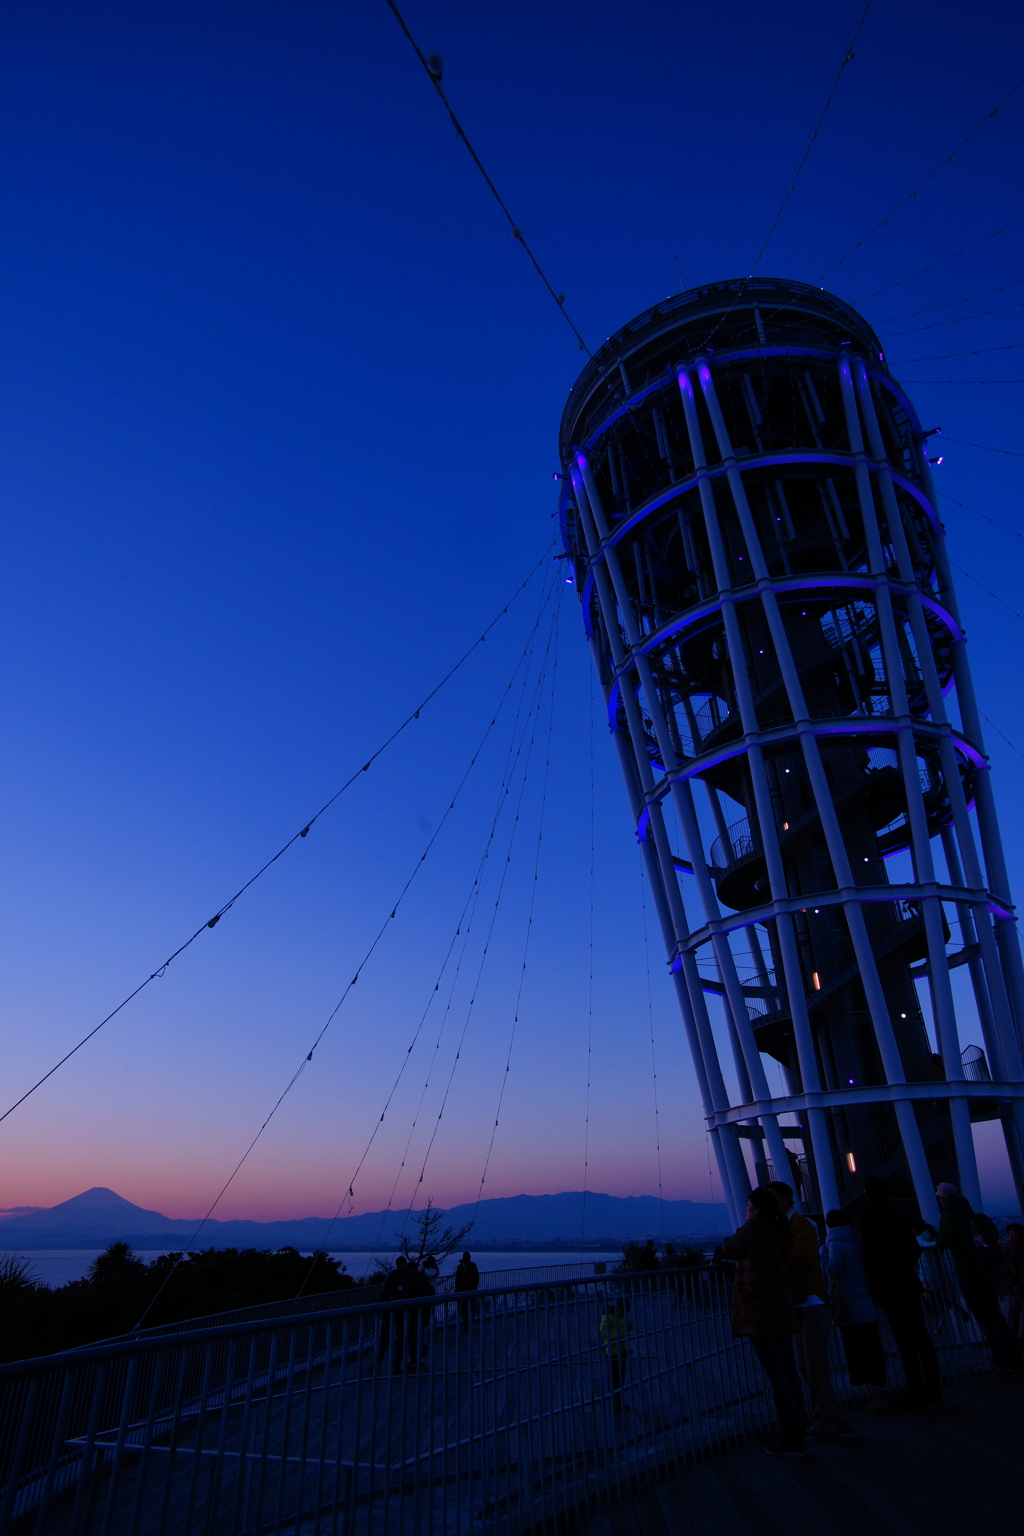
{"type": "Point", "coordinates": [951, 1471]}
{"type": "Point", "coordinates": [499, 1411]}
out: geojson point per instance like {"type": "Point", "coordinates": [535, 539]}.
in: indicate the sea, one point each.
{"type": "Point", "coordinates": [57, 1266]}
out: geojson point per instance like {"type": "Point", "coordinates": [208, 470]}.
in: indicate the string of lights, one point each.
{"type": "Point", "coordinates": [1013, 453]}
{"type": "Point", "coordinates": [467, 917]}
{"type": "Point", "coordinates": [944, 357]}
{"type": "Point", "coordinates": [931, 308]}
{"type": "Point", "coordinates": [529, 923]}
{"type": "Point", "coordinates": [1015, 611]}
{"type": "Point", "coordinates": [654, 1059]}
{"type": "Point", "coordinates": [487, 942]}
{"type": "Point", "coordinates": [463, 929]}
{"type": "Point", "coordinates": [847, 59]}
{"type": "Point", "coordinates": [915, 330]}
{"type": "Point", "coordinates": [303, 832]}
{"type": "Point", "coordinates": [590, 981]}
{"type": "Point", "coordinates": [922, 184]}
{"type": "Point", "coordinates": [433, 64]}
{"type": "Point", "coordinates": [1003, 734]}
{"type": "Point", "coordinates": [417, 867]}
{"type": "Point", "coordinates": [1015, 531]}
{"type": "Point", "coordinates": [923, 271]}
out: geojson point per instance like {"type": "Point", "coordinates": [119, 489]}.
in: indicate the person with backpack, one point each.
{"type": "Point", "coordinates": [763, 1312]}
{"type": "Point", "coordinates": [973, 1240]}
{"type": "Point", "coordinates": [813, 1317]}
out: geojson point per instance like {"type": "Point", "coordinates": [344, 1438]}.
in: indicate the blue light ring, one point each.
{"type": "Point", "coordinates": [831, 458]}
{"type": "Point", "coordinates": [864, 895]}
{"type": "Point", "coordinates": [828, 580]}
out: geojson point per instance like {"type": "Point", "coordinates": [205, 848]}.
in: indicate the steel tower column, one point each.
{"type": "Point", "coordinates": [764, 582]}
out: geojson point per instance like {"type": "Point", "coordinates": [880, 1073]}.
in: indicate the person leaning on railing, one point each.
{"type": "Point", "coordinates": [813, 1318]}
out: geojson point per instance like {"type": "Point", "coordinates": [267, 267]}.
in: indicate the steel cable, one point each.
{"type": "Point", "coordinates": [922, 184]}
{"type": "Point", "coordinates": [304, 832]}
{"type": "Point", "coordinates": [432, 66]}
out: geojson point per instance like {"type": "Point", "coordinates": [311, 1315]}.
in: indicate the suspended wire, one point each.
{"type": "Point", "coordinates": [529, 918]}
{"type": "Point", "coordinates": [433, 67]}
{"type": "Point", "coordinates": [711, 1182]}
{"type": "Point", "coordinates": [931, 308]}
{"type": "Point", "coordinates": [983, 587]}
{"type": "Point", "coordinates": [490, 933]}
{"type": "Point", "coordinates": [461, 923]}
{"type": "Point", "coordinates": [590, 983]}
{"type": "Point", "coordinates": [1015, 531]}
{"type": "Point", "coordinates": [475, 892]}
{"type": "Point", "coordinates": [942, 357]}
{"type": "Point", "coordinates": [337, 1007]}
{"type": "Point", "coordinates": [350, 1185]}
{"type": "Point", "coordinates": [1012, 453]}
{"type": "Point", "coordinates": [998, 732]}
{"type": "Point", "coordinates": [304, 832]}
{"type": "Point", "coordinates": [942, 261]}
{"type": "Point", "coordinates": [654, 1063]}
{"type": "Point", "coordinates": [847, 58]}
{"type": "Point", "coordinates": [914, 330]}
{"type": "Point", "coordinates": [922, 184]}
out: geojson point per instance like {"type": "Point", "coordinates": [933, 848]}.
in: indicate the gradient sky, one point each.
{"type": "Point", "coordinates": [279, 400]}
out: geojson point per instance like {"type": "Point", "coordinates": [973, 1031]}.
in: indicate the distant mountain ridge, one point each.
{"type": "Point", "coordinates": [99, 1216]}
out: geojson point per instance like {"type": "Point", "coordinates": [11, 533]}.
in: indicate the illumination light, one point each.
{"type": "Point", "coordinates": [816, 979]}
{"type": "Point", "coordinates": [851, 1162]}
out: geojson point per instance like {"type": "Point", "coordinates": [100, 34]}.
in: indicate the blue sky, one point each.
{"type": "Point", "coordinates": [279, 398]}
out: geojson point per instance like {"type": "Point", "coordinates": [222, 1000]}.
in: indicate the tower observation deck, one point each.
{"type": "Point", "coordinates": [748, 508]}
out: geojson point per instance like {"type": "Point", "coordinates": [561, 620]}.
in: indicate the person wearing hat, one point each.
{"type": "Point", "coordinates": [972, 1239]}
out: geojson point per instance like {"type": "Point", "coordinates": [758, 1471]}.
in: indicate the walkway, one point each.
{"type": "Point", "coordinates": [955, 1470]}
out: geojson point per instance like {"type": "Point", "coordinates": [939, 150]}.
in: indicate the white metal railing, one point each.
{"type": "Point", "coordinates": [499, 1409]}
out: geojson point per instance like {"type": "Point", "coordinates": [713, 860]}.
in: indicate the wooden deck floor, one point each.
{"type": "Point", "coordinates": [956, 1471]}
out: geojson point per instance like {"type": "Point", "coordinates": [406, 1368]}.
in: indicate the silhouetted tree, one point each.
{"type": "Point", "coordinates": [428, 1236]}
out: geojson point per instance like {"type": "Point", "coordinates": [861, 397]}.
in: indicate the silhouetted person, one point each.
{"type": "Point", "coordinates": [417, 1322]}
{"type": "Point", "coordinates": [891, 1255]}
{"type": "Point", "coordinates": [813, 1317]}
{"type": "Point", "coordinates": [398, 1286]}
{"type": "Point", "coordinates": [615, 1328]}
{"type": "Point", "coordinates": [1013, 1250]}
{"type": "Point", "coordinates": [971, 1238]}
{"type": "Point", "coordinates": [842, 1260]}
{"type": "Point", "coordinates": [762, 1311]}
{"type": "Point", "coordinates": [467, 1278]}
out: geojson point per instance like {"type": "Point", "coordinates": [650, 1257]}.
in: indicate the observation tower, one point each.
{"type": "Point", "coordinates": [748, 508]}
